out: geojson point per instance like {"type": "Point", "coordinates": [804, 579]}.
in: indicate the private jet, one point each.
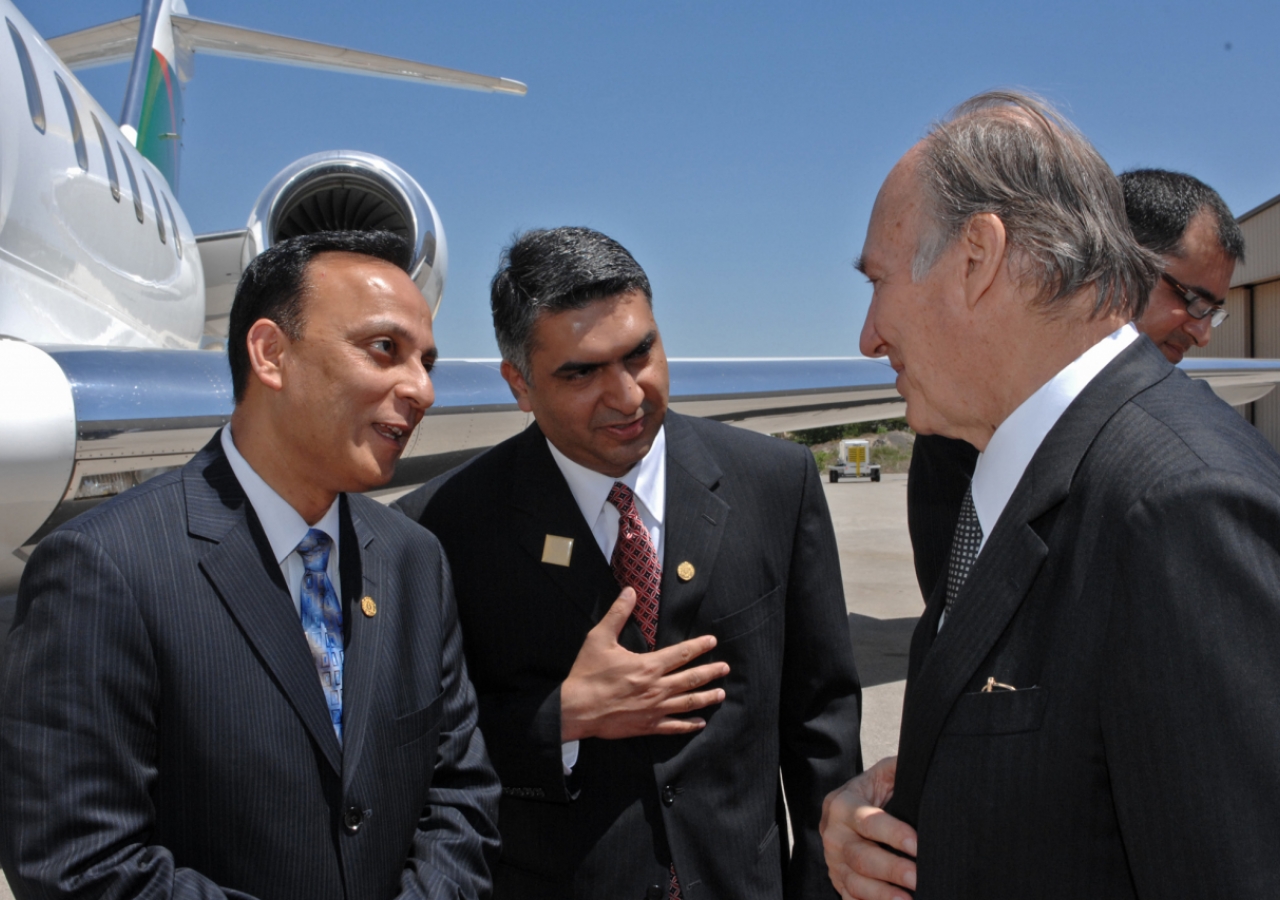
{"type": "Point", "coordinates": [113, 313]}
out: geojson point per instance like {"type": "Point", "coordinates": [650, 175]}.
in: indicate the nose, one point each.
{"type": "Point", "coordinates": [624, 392]}
{"type": "Point", "coordinates": [416, 386]}
{"type": "Point", "coordinates": [1199, 330]}
{"type": "Point", "coordinates": [869, 342]}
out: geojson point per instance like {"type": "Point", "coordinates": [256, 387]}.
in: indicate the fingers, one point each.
{"type": "Point", "coordinates": [677, 655]}
{"type": "Point", "coordinates": [877, 825]}
{"type": "Point", "coordinates": [860, 887]}
{"type": "Point", "coordinates": [615, 619]}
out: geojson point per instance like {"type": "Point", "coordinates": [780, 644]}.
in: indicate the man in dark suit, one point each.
{"type": "Point", "coordinates": [1093, 694]}
{"type": "Point", "coordinates": [241, 679]}
{"type": "Point", "coordinates": [1189, 226]}
{"type": "Point", "coordinates": [723, 545]}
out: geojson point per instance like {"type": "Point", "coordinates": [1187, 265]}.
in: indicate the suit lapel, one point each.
{"type": "Point", "coordinates": [365, 573]}
{"type": "Point", "coordinates": [543, 505]}
{"type": "Point", "coordinates": [246, 577]}
{"type": "Point", "coordinates": [942, 666]}
{"type": "Point", "coordinates": [695, 522]}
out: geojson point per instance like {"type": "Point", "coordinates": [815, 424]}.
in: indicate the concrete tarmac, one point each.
{"type": "Point", "coordinates": [881, 595]}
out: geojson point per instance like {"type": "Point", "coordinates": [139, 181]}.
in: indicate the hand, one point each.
{"type": "Point", "coordinates": [614, 693]}
{"type": "Point", "coordinates": [854, 825]}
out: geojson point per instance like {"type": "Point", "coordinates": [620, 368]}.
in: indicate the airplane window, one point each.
{"type": "Point", "coordinates": [155, 204]}
{"type": "Point", "coordinates": [35, 103]}
{"type": "Point", "coordinates": [106, 155]}
{"type": "Point", "coordinates": [133, 183]}
{"type": "Point", "coordinates": [77, 135]}
{"type": "Point", "coordinates": [173, 224]}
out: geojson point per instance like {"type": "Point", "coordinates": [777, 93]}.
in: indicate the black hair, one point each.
{"type": "Point", "coordinates": [1161, 204]}
{"type": "Point", "coordinates": [552, 270]}
{"type": "Point", "coordinates": [273, 285]}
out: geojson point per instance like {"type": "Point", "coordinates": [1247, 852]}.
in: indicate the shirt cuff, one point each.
{"type": "Point", "coordinates": [569, 756]}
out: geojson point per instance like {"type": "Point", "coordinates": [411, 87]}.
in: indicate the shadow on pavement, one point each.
{"type": "Point", "coordinates": [880, 647]}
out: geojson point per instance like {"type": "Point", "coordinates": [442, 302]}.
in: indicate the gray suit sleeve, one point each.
{"type": "Point", "coordinates": [1191, 713]}
{"type": "Point", "coordinates": [456, 844]}
{"type": "Point", "coordinates": [78, 741]}
{"type": "Point", "coordinates": [821, 697]}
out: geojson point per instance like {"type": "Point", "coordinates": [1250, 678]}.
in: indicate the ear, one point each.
{"type": "Point", "coordinates": [519, 387]}
{"type": "Point", "coordinates": [984, 241]}
{"type": "Point", "coordinates": [267, 345]}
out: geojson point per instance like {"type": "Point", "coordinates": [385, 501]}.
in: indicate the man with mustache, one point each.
{"type": "Point", "coordinates": [1189, 226]}
{"type": "Point", "coordinates": [643, 741]}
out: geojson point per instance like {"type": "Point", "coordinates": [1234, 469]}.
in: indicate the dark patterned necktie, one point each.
{"type": "Point", "coordinates": [636, 565]}
{"type": "Point", "coordinates": [964, 549]}
{"type": "Point", "coordinates": [322, 620]}
{"type": "Point", "coordinates": [635, 562]}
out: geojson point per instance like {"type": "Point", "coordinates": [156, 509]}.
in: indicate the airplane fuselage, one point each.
{"type": "Point", "coordinates": [94, 247]}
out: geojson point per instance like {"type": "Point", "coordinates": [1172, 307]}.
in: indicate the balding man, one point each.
{"type": "Point", "coordinates": [1199, 243]}
{"type": "Point", "coordinates": [1093, 694]}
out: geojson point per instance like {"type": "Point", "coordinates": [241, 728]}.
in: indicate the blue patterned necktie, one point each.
{"type": "Point", "coordinates": [322, 620]}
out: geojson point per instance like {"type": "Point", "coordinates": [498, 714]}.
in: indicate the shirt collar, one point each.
{"type": "Point", "coordinates": [647, 478]}
{"type": "Point", "coordinates": [284, 527]}
{"type": "Point", "coordinates": [1016, 440]}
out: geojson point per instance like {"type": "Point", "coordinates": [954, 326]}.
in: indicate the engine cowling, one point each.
{"type": "Point", "coordinates": [352, 190]}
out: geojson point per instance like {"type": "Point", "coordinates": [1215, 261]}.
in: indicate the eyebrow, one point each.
{"type": "Point", "coordinates": [573, 367]}
{"type": "Point", "coordinates": [396, 330]}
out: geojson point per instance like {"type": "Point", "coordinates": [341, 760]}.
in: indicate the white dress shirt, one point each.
{"type": "Point", "coordinates": [285, 529]}
{"type": "Point", "coordinates": [648, 480]}
{"type": "Point", "coordinates": [1016, 440]}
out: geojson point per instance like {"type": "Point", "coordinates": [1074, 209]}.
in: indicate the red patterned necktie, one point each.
{"type": "Point", "coordinates": [636, 565]}
{"type": "Point", "coordinates": [635, 562]}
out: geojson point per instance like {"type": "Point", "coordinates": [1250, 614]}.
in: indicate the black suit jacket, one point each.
{"type": "Point", "coordinates": [941, 469]}
{"type": "Point", "coordinates": [749, 513]}
{"type": "Point", "coordinates": [1131, 593]}
{"type": "Point", "coordinates": [164, 732]}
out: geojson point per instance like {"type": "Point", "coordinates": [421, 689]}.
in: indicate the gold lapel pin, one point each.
{"type": "Point", "coordinates": [556, 550]}
{"type": "Point", "coordinates": [685, 571]}
{"type": "Point", "coordinates": [368, 607]}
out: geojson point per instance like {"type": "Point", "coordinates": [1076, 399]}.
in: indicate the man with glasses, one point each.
{"type": "Point", "coordinates": [1199, 243]}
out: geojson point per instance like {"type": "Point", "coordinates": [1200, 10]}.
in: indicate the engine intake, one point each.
{"type": "Point", "coordinates": [352, 190]}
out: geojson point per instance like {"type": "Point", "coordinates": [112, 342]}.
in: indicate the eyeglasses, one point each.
{"type": "Point", "coordinates": [1198, 305]}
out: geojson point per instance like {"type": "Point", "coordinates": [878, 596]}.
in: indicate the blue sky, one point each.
{"type": "Point", "coordinates": [734, 148]}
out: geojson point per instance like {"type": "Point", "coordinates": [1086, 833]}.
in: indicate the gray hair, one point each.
{"type": "Point", "coordinates": [1013, 155]}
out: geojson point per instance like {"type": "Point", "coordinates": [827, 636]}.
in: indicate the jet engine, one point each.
{"type": "Point", "coordinates": [351, 190]}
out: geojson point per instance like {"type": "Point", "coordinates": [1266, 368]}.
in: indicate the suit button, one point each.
{"type": "Point", "coordinates": [668, 795]}
{"type": "Point", "coordinates": [352, 819]}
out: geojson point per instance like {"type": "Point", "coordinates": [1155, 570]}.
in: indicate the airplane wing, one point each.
{"type": "Point", "coordinates": [115, 42]}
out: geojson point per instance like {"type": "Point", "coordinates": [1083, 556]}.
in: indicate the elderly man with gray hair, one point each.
{"type": "Point", "coordinates": [1093, 694]}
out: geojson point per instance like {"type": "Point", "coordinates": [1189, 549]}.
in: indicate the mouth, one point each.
{"type": "Point", "coordinates": [626, 431]}
{"type": "Point", "coordinates": [394, 434]}
{"type": "Point", "coordinates": [1174, 351]}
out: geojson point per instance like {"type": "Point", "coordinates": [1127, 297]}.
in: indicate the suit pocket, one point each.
{"type": "Point", "coordinates": [745, 621]}
{"type": "Point", "coordinates": [998, 712]}
{"type": "Point", "coordinates": [412, 726]}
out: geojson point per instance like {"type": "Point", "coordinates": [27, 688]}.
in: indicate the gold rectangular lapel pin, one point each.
{"type": "Point", "coordinates": [557, 550]}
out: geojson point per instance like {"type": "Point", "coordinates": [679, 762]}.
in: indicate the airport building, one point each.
{"type": "Point", "coordinates": [1252, 330]}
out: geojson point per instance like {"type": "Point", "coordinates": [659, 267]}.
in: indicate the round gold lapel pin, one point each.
{"type": "Point", "coordinates": [368, 607]}
{"type": "Point", "coordinates": [685, 571]}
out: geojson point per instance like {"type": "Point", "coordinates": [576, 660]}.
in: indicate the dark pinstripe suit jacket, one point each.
{"type": "Point", "coordinates": [1131, 593]}
{"type": "Point", "coordinates": [164, 733]}
{"type": "Point", "coordinates": [749, 513]}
